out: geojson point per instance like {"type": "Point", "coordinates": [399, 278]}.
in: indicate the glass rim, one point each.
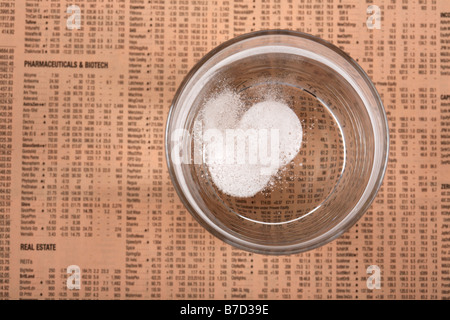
{"type": "Point", "coordinates": [348, 220]}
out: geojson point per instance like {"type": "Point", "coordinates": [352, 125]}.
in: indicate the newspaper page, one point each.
{"type": "Point", "coordinates": [87, 207]}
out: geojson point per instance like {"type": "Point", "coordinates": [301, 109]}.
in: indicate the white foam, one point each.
{"type": "Point", "coordinates": [244, 150]}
